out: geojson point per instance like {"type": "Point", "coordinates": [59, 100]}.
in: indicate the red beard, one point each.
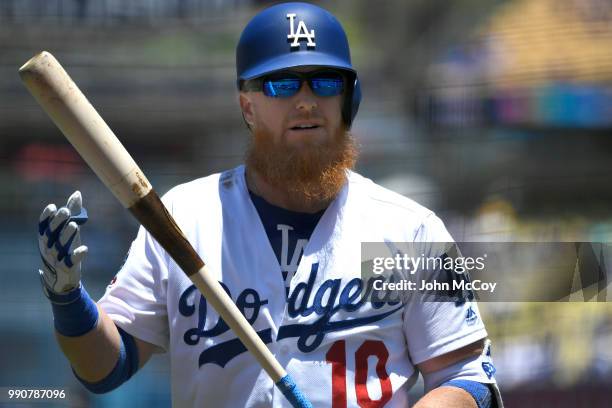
{"type": "Point", "coordinates": [311, 172]}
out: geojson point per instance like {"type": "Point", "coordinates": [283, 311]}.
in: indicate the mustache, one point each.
{"type": "Point", "coordinates": [309, 116]}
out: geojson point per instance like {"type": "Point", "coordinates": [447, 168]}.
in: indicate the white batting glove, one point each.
{"type": "Point", "coordinates": [58, 234]}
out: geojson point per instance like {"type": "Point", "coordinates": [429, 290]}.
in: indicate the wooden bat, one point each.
{"type": "Point", "coordinates": [72, 113]}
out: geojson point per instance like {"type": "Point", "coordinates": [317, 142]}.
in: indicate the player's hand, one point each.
{"type": "Point", "coordinates": [60, 246]}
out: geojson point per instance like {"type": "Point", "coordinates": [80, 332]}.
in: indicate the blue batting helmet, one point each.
{"type": "Point", "coordinates": [297, 34]}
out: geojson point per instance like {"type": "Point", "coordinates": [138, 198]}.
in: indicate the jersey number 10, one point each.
{"type": "Point", "coordinates": [336, 356]}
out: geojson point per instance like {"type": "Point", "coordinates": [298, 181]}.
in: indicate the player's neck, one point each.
{"type": "Point", "coordinates": [282, 198]}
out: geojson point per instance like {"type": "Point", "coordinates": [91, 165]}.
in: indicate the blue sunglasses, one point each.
{"type": "Point", "coordinates": [288, 83]}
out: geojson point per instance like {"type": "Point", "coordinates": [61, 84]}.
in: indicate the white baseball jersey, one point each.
{"type": "Point", "coordinates": [341, 350]}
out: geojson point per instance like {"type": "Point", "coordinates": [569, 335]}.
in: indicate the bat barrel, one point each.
{"type": "Point", "coordinates": [70, 110]}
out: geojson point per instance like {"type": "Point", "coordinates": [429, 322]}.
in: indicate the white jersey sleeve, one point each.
{"type": "Point", "coordinates": [435, 328]}
{"type": "Point", "coordinates": [136, 298]}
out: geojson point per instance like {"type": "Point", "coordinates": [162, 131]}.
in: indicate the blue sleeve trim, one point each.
{"type": "Point", "coordinates": [131, 351]}
{"type": "Point", "coordinates": [480, 392]}
{"type": "Point", "coordinates": [292, 392]}
{"type": "Point", "coordinates": [126, 366]}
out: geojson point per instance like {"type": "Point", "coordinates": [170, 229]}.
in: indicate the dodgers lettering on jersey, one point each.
{"type": "Point", "coordinates": [348, 298]}
{"type": "Point", "coordinates": [341, 349]}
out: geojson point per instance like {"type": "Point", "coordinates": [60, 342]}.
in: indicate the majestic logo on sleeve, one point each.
{"type": "Point", "coordinates": [302, 33]}
{"type": "Point", "coordinates": [470, 316]}
{"type": "Point", "coordinates": [329, 299]}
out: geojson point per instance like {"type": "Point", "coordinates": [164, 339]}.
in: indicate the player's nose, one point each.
{"type": "Point", "coordinates": [305, 99]}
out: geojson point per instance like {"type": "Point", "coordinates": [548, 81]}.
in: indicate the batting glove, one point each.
{"type": "Point", "coordinates": [58, 234]}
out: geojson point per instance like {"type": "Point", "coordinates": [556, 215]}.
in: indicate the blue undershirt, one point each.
{"type": "Point", "coordinates": [288, 233]}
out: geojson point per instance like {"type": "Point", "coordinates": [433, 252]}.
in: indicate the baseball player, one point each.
{"type": "Point", "coordinates": [282, 234]}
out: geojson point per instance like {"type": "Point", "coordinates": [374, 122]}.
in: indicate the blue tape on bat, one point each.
{"type": "Point", "coordinates": [292, 393]}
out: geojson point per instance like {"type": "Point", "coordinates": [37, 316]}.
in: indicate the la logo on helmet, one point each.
{"type": "Point", "coordinates": [301, 34]}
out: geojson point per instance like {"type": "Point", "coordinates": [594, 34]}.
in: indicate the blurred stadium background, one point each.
{"type": "Point", "coordinates": [496, 114]}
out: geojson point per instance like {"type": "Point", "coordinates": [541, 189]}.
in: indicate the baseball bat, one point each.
{"type": "Point", "coordinates": [72, 113]}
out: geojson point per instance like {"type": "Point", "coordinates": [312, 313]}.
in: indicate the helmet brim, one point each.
{"type": "Point", "coordinates": [296, 59]}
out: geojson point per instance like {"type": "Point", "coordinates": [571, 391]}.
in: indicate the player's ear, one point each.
{"type": "Point", "coordinates": [246, 104]}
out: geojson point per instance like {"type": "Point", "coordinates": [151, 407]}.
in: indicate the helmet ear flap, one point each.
{"type": "Point", "coordinates": [351, 103]}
